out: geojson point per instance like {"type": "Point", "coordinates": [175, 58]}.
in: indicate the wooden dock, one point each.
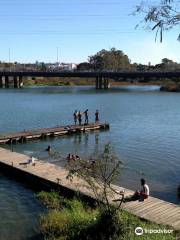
{"type": "Point", "coordinates": [24, 136]}
{"type": "Point", "coordinates": [153, 209]}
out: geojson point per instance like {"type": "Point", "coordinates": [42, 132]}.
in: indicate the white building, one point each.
{"type": "Point", "coordinates": [62, 66]}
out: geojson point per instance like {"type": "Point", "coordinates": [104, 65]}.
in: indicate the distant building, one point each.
{"type": "Point", "coordinates": [61, 66]}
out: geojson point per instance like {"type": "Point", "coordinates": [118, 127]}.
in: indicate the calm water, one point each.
{"type": "Point", "coordinates": [145, 133]}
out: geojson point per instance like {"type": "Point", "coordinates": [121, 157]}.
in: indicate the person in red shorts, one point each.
{"type": "Point", "coordinates": [144, 192]}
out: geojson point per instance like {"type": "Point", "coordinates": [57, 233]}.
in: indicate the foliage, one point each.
{"type": "Point", "coordinates": [76, 221]}
{"type": "Point", "coordinates": [110, 60]}
{"type": "Point", "coordinates": [131, 222]}
{"type": "Point", "coordinates": [98, 176]}
{"type": "Point", "coordinates": [51, 200]}
{"type": "Point", "coordinates": [170, 86]}
{"type": "Point", "coordinates": [69, 223]}
{"type": "Point", "coordinates": [161, 16]}
{"type": "Point", "coordinates": [85, 66]}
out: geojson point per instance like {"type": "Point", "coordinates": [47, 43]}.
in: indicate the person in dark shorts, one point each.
{"type": "Point", "coordinates": [75, 117]}
{"type": "Point", "coordinates": [97, 116]}
{"type": "Point", "coordinates": [86, 117]}
{"type": "Point", "coordinates": [80, 117]}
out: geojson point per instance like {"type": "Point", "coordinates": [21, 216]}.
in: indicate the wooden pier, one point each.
{"type": "Point", "coordinates": [153, 209]}
{"type": "Point", "coordinates": [24, 136]}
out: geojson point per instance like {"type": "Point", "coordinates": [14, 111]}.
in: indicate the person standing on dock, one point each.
{"type": "Point", "coordinates": [80, 118]}
{"type": "Point", "coordinates": [86, 117]}
{"type": "Point", "coordinates": [75, 117]}
{"type": "Point", "coordinates": [97, 116]}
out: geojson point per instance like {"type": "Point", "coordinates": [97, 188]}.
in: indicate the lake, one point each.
{"type": "Point", "coordinates": [144, 132]}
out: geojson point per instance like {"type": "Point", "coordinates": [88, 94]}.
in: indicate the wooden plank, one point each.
{"type": "Point", "coordinates": [54, 131]}
{"type": "Point", "coordinates": [156, 211]}
{"type": "Point", "coordinates": [145, 208]}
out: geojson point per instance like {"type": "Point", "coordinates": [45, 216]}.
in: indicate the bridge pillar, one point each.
{"type": "Point", "coordinates": [97, 82]}
{"type": "Point", "coordinates": [1, 81]}
{"type": "Point", "coordinates": [100, 82]}
{"type": "Point", "coordinates": [6, 81]}
{"type": "Point", "coordinates": [20, 81]}
{"type": "Point", "coordinates": [16, 85]}
{"type": "Point", "coordinates": [106, 83]}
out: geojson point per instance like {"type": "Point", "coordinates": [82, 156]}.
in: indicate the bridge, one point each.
{"type": "Point", "coordinates": [101, 77]}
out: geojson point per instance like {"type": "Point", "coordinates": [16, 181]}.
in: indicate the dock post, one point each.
{"type": "Point", "coordinates": [1, 81]}
{"type": "Point", "coordinates": [6, 81]}
{"type": "Point", "coordinates": [15, 82]}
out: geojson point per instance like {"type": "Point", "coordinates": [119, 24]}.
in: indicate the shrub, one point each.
{"type": "Point", "coordinates": [69, 223]}
{"type": "Point", "coordinates": [52, 200]}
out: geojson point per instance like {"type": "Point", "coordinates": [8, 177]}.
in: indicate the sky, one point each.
{"type": "Point", "coordinates": [33, 30]}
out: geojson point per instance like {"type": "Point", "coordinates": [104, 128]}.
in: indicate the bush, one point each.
{"type": "Point", "coordinates": [76, 222]}
{"type": "Point", "coordinates": [52, 200]}
{"type": "Point", "coordinates": [72, 220]}
{"type": "Point", "coordinates": [69, 223]}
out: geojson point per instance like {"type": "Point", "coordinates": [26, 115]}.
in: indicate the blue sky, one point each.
{"type": "Point", "coordinates": [33, 29]}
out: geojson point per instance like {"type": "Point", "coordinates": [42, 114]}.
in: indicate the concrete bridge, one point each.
{"type": "Point", "coordinates": [101, 77]}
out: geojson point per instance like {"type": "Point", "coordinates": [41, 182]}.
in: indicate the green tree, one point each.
{"type": "Point", "coordinates": [160, 16]}
{"type": "Point", "coordinates": [84, 66]}
{"type": "Point", "coordinates": [99, 174]}
{"type": "Point", "coordinates": [110, 60]}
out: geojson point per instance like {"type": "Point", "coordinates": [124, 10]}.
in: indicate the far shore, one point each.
{"type": "Point", "coordinates": [165, 85]}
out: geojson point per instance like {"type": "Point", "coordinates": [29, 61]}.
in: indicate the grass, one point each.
{"type": "Point", "coordinates": [56, 81]}
{"type": "Point", "coordinates": [131, 222]}
{"type": "Point", "coordinates": [72, 219]}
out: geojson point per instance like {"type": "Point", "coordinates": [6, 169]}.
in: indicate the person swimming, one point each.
{"type": "Point", "coordinates": [48, 149]}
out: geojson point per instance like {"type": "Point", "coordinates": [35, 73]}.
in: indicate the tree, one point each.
{"type": "Point", "coordinates": [109, 60]}
{"type": "Point", "coordinates": [84, 66]}
{"type": "Point", "coordinates": [98, 176]}
{"type": "Point", "coordinates": [160, 17]}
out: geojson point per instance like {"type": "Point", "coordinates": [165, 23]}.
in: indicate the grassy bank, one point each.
{"type": "Point", "coordinates": [72, 219]}
{"type": "Point", "coordinates": [60, 81]}
{"type": "Point", "coordinates": [170, 86]}
{"type": "Point", "coordinates": [166, 84]}
{"type": "Point", "coordinates": [56, 81]}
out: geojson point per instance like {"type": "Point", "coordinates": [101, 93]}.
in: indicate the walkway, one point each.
{"type": "Point", "coordinates": [152, 209]}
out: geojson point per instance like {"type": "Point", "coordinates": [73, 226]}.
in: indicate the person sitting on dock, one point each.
{"type": "Point", "coordinates": [75, 117]}
{"type": "Point", "coordinates": [29, 161]}
{"type": "Point", "coordinates": [78, 157]}
{"type": "Point", "coordinates": [72, 157]}
{"type": "Point", "coordinates": [97, 116]}
{"type": "Point", "coordinates": [80, 118]}
{"type": "Point", "coordinates": [86, 117]}
{"type": "Point", "coordinates": [144, 192]}
{"type": "Point", "coordinates": [69, 157]}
